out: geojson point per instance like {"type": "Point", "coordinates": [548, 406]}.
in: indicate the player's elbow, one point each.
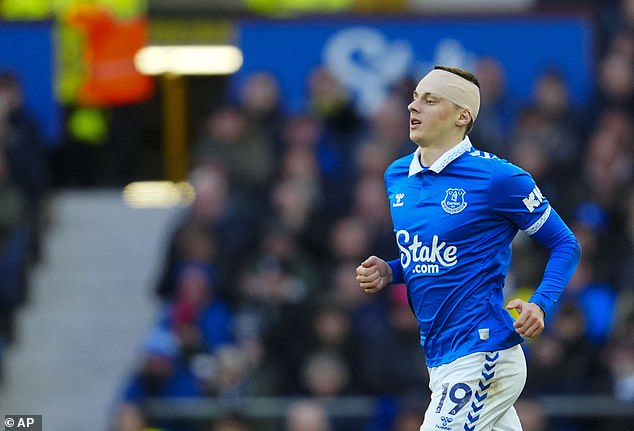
{"type": "Point", "coordinates": [571, 250]}
{"type": "Point", "coordinates": [573, 247]}
{"type": "Point", "coordinates": [578, 249]}
{"type": "Point", "coordinates": [568, 244]}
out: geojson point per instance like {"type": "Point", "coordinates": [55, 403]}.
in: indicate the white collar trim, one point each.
{"type": "Point", "coordinates": [442, 162]}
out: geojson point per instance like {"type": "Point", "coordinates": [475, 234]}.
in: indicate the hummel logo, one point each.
{"type": "Point", "coordinates": [533, 200]}
{"type": "Point", "coordinates": [445, 420]}
{"type": "Point", "coordinates": [399, 200]}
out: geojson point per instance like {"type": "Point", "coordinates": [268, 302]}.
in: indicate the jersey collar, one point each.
{"type": "Point", "coordinates": [442, 162]}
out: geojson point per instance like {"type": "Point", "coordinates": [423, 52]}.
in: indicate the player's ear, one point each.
{"type": "Point", "coordinates": [464, 119]}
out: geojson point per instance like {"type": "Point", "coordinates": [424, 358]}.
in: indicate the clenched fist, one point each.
{"type": "Point", "coordinates": [530, 322]}
{"type": "Point", "coordinates": [373, 274]}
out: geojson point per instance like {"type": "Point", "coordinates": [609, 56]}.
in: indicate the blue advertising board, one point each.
{"type": "Point", "coordinates": [369, 56]}
{"type": "Point", "coordinates": [26, 49]}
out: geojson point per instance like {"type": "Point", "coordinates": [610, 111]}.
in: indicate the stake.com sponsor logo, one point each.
{"type": "Point", "coordinates": [427, 259]}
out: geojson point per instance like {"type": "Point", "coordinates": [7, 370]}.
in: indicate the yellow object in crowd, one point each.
{"type": "Point", "coordinates": [291, 7]}
{"type": "Point", "coordinates": [88, 125]}
{"type": "Point", "coordinates": [44, 9]}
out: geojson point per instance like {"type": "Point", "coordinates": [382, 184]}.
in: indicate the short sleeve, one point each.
{"type": "Point", "coordinates": [517, 198]}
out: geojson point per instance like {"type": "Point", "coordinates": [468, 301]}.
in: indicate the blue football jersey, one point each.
{"type": "Point", "coordinates": [454, 223]}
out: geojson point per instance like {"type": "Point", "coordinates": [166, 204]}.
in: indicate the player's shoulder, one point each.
{"type": "Point", "coordinates": [499, 166]}
{"type": "Point", "coordinates": [506, 178]}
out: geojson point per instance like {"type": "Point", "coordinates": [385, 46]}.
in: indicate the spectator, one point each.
{"type": "Point", "coordinates": [554, 124]}
{"type": "Point", "coordinates": [392, 364]}
{"type": "Point", "coordinates": [369, 206]}
{"type": "Point", "coordinates": [300, 157]}
{"type": "Point", "coordinates": [260, 102]}
{"type": "Point", "coordinates": [386, 127]}
{"type": "Point", "coordinates": [622, 44]}
{"type": "Point", "coordinates": [271, 317]}
{"type": "Point", "coordinates": [408, 419]}
{"type": "Point", "coordinates": [297, 199]}
{"type": "Point", "coordinates": [563, 361]}
{"type": "Point", "coordinates": [368, 313]}
{"type": "Point", "coordinates": [231, 422]}
{"type": "Point", "coordinates": [23, 189]}
{"type": "Point", "coordinates": [13, 245]}
{"type": "Point", "coordinates": [497, 110]}
{"type": "Point", "coordinates": [608, 166]}
{"type": "Point", "coordinates": [325, 374]}
{"type": "Point", "coordinates": [280, 243]}
{"type": "Point", "coordinates": [226, 374]}
{"type": "Point", "coordinates": [349, 239]}
{"type": "Point", "coordinates": [190, 242]}
{"type": "Point", "coordinates": [330, 103]}
{"type": "Point", "coordinates": [307, 416]}
{"type": "Point", "coordinates": [620, 359]}
{"type": "Point", "coordinates": [24, 182]}
{"type": "Point", "coordinates": [200, 319]}
{"type": "Point", "coordinates": [129, 417]}
{"type": "Point", "coordinates": [615, 17]}
{"type": "Point", "coordinates": [161, 373]}
{"type": "Point", "coordinates": [294, 207]}
{"type": "Point", "coordinates": [372, 159]}
{"type": "Point", "coordinates": [532, 415]}
{"type": "Point", "coordinates": [216, 217]}
{"type": "Point", "coordinates": [328, 331]}
{"type": "Point", "coordinates": [247, 158]}
{"type": "Point", "coordinates": [529, 153]}
{"type": "Point", "coordinates": [190, 333]}
{"type": "Point", "coordinates": [615, 82]}
{"type": "Point", "coordinates": [595, 298]}
{"type": "Point", "coordinates": [23, 148]}
{"type": "Point", "coordinates": [624, 266]}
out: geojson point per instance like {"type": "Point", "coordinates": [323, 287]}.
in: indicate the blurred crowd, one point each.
{"type": "Point", "coordinates": [258, 285]}
{"type": "Point", "coordinates": [258, 292]}
{"type": "Point", "coordinates": [23, 188]}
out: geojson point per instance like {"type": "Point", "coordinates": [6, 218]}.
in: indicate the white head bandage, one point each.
{"type": "Point", "coordinates": [451, 87]}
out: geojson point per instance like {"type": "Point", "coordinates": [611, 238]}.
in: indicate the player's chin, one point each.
{"type": "Point", "coordinates": [417, 131]}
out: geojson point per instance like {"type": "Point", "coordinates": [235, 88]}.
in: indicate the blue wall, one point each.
{"type": "Point", "coordinates": [27, 49]}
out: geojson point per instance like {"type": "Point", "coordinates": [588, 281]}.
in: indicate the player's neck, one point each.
{"type": "Point", "coordinates": [429, 153]}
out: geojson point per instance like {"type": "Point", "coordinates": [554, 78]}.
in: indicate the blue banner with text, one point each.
{"type": "Point", "coordinates": [368, 56]}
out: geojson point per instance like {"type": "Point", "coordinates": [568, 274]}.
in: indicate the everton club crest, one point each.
{"type": "Point", "coordinates": [454, 201]}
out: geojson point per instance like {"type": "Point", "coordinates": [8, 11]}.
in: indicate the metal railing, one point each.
{"type": "Point", "coordinates": [554, 406]}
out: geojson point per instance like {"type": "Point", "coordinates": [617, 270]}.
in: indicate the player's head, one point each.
{"type": "Point", "coordinates": [455, 85]}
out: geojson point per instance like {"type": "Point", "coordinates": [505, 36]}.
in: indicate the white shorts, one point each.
{"type": "Point", "coordinates": [477, 392]}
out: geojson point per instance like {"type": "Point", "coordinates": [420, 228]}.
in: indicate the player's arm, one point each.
{"type": "Point", "coordinates": [565, 253]}
{"type": "Point", "coordinates": [374, 273]}
{"type": "Point", "coordinates": [519, 199]}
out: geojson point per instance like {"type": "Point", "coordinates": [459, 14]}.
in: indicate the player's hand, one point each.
{"type": "Point", "coordinates": [530, 322]}
{"type": "Point", "coordinates": [373, 274]}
